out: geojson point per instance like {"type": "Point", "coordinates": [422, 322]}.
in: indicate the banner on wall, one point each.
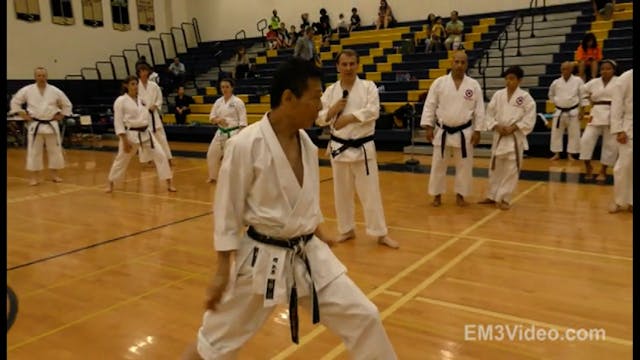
{"type": "Point", "coordinates": [27, 10]}
{"type": "Point", "coordinates": [146, 20]}
{"type": "Point", "coordinates": [92, 13]}
{"type": "Point", "coordinates": [120, 15]}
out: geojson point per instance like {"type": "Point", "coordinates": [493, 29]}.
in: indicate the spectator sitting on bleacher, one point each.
{"type": "Point", "coordinates": [275, 20]}
{"type": "Point", "coordinates": [385, 15]}
{"type": "Point", "coordinates": [588, 54]}
{"type": "Point", "coordinates": [284, 35]}
{"type": "Point", "coordinates": [454, 30]}
{"type": "Point", "coordinates": [305, 23]}
{"type": "Point", "coordinates": [178, 72]}
{"type": "Point", "coordinates": [294, 35]}
{"type": "Point", "coordinates": [355, 20]}
{"type": "Point", "coordinates": [324, 26]}
{"type": "Point", "coordinates": [342, 25]}
{"type": "Point", "coordinates": [273, 39]}
{"type": "Point", "coordinates": [305, 48]}
{"type": "Point", "coordinates": [436, 36]}
{"type": "Point", "coordinates": [603, 9]}
{"type": "Point", "coordinates": [182, 106]}
{"type": "Point", "coordinates": [242, 64]}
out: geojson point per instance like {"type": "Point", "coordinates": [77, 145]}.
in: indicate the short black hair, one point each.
{"type": "Point", "coordinates": [229, 80]}
{"type": "Point", "coordinates": [353, 9]}
{"type": "Point", "coordinates": [293, 75]}
{"type": "Point", "coordinates": [515, 70]}
{"type": "Point", "coordinates": [125, 83]}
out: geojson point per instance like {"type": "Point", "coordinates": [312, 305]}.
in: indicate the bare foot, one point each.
{"type": "Point", "coordinates": [486, 201]}
{"type": "Point", "coordinates": [57, 179]}
{"type": "Point", "coordinates": [460, 201]}
{"type": "Point", "coordinates": [172, 189]}
{"type": "Point", "coordinates": [615, 208]}
{"type": "Point", "coordinates": [110, 188]}
{"type": "Point", "coordinates": [571, 158]}
{"type": "Point", "coordinates": [504, 205]}
{"type": "Point", "coordinates": [437, 201]}
{"type": "Point", "coordinates": [555, 157]}
{"type": "Point", "coordinates": [387, 241]}
{"type": "Point", "coordinates": [33, 182]}
{"type": "Point", "coordinates": [346, 236]}
{"type": "Point", "coordinates": [601, 178]}
{"type": "Point", "coordinates": [211, 181]}
{"type": "Point", "coordinates": [588, 175]}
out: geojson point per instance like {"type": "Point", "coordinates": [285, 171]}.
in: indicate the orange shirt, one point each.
{"type": "Point", "coordinates": [590, 54]}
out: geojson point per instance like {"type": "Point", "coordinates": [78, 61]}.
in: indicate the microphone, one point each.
{"type": "Point", "coordinates": [345, 94]}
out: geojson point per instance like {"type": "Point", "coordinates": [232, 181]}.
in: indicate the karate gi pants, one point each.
{"type": "Point", "coordinates": [504, 178]}
{"type": "Point", "coordinates": [464, 170]}
{"type": "Point", "coordinates": [344, 310]}
{"type": "Point", "coordinates": [119, 167]}
{"type": "Point", "coordinates": [160, 139]}
{"type": "Point", "coordinates": [609, 150]}
{"type": "Point", "coordinates": [215, 153]}
{"type": "Point", "coordinates": [35, 149]}
{"type": "Point", "coordinates": [623, 174]}
{"type": "Point", "coordinates": [572, 124]}
{"type": "Point", "coordinates": [351, 177]}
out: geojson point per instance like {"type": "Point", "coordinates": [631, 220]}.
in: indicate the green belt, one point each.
{"type": "Point", "coordinates": [228, 130]}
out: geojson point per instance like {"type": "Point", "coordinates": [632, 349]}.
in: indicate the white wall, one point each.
{"type": "Point", "coordinates": [65, 49]}
{"type": "Point", "coordinates": [221, 19]}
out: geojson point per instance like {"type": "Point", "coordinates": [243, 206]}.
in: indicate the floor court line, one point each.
{"type": "Point", "coordinates": [317, 331]}
{"type": "Point", "coordinates": [513, 318]}
{"type": "Point", "coordinates": [96, 313]}
{"type": "Point", "coordinates": [100, 243]}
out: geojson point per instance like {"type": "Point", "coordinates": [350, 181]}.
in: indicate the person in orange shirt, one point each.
{"type": "Point", "coordinates": [589, 55]}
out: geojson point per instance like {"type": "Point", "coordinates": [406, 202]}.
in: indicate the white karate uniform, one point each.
{"type": "Point", "coordinates": [622, 120]}
{"type": "Point", "coordinates": [42, 106]}
{"type": "Point", "coordinates": [151, 94]}
{"type": "Point", "coordinates": [507, 151]}
{"type": "Point", "coordinates": [566, 94]}
{"type": "Point", "coordinates": [129, 113]}
{"type": "Point", "coordinates": [446, 105]}
{"type": "Point", "coordinates": [599, 125]}
{"type": "Point", "coordinates": [257, 187]}
{"type": "Point", "coordinates": [235, 115]}
{"type": "Point", "coordinates": [349, 169]}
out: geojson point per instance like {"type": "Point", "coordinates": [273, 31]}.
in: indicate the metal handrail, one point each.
{"type": "Point", "coordinates": [138, 45]}
{"type": "Point", "coordinates": [196, 29]}
{"type": "Point", "coordinates": [173, 41]}
{"type": "Point", "coordinates": [260, 28]}
{"type": "Point", "coordinates": [164, 52]}
{"type": "Point", "coordinates": [185, 33]}
{"type": "Point", "coordinates": [502, 46]}
{"type": "Point", "coordinates": [244, 34]}
{"type": "Point", "coordinates": [519, 21]}
{"type": "Point", "coordinates": [532, 12]}
{"type": "Point", "coordinates": [82, 70]}
{"type": "Point", "coordinates": [184, 36]}
{"type": "Point", "coordinates": [126, 63]}
{"type": "Point", "coordinates": [124, 53]}
{"type": "Point", "coordinates": [482, 69]}
{"type": "Point", "coordinates": [113, 69]}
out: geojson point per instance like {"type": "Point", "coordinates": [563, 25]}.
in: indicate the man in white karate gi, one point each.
{"type": "Point", "coordinates": [350, 107]}
{"type": "Point", "coordinates": [46, 107]}
{"type": "Point", "coordinates": [455, 108]}
{"type": "Point", "coordinates": [569, 96]}
{"type": "Point", "coordinates": [622, 128]}
{"type": "Point", "coordinates": [511, 115]}
{"type": "Point", "coordinates": [151, 94]}
{"type": "Point", "coordinates": [269, 182]}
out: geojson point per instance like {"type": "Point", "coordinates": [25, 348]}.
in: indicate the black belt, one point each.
{"type": "Point", "coordinates": [453, 130]}
{"type": "Point", "coordinates": [291, 244]}
{"type": "Point", "coordinates": [601, 103]}
{"type": "Point", "coordinates": [352, 143]}
{"type": "Point", "coordinates": [153, 120]}
{"type": "Point", "coordinates": [564, 110]}
{"type": "Point", "coordinates": [140, 130]}
{"type": "Point", "coordinates": [47, 122]}
{"type": "Point", "coordinates": [515, 142]}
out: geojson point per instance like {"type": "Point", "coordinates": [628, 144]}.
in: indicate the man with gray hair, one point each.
{"type": "Point", "coordinates": [305, 48]}
{"type": "Point", "coordinates": [46, 106]}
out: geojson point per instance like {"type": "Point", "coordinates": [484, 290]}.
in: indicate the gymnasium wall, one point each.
{"type": "Point", "coordinates": [65, 49]}
{"type": "Point", "coordinates": [226, 17]}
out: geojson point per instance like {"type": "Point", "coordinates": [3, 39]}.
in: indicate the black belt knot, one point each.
{"type": "Point", "coordinates": [295, 245]}
{"type": "Point", "coordinates": [566, 110]}
{"type": "Point", "coordinates": [352, 143]}
{"type": "Point", "coordinates": [46, 122]}
{"type": "Point", "coordinates": [453, 130]}
{"type": "Point", "coordinates": [140, 130]}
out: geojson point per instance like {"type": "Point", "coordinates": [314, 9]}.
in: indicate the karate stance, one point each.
{"type": "Point", "coordinates": [151, 94]}
{"type": "Point", "coordinates": [46, 106]}
{"type": "Point", "coordinates": [598, 92]}
{"type": "Point", "coordinates": [568, 95]}
{"type": "Point", "coordinates": [455, 107]}
{"type": "Point", "coordinates": [269, 182]}
{"type": "Point", "coordinates": [511, 115]}
{"type": "Point", "coordinates": [351, 107]}
{"type": "Point", "coordinates": [622, 128]}
{"type": "Point", "coordinates": [230, 114]}
{"type": "Point", "coordinates": [131, 124]}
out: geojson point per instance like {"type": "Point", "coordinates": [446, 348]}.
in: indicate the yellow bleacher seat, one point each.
{"type": "Point", "coordinates": [444, 63]}
{"type": "Point", "coordinates": [474, 36]}
{"type": "Point", "coordinates": [624, 6]}
{"type": "Point", "coordinates": [243, 97]}
{"type": "Point", "coordinates": [390, 107]}
{"type": "Point", "coordinates": [468, 44]}
{"type": "Point", "coordinates": [382, 32]}
{"type": "Point", "coordinates": [386, 44]}
{"type": "Point", "coordinates": [257, 108]}
{"type": "Point", "coordinates": [376, 52]}
{"type": "Point", "coordinates": [488, 21]}
{"type": "Point", "coordinates": [483, 28]}
{"type": "Point", "coordinates": [326, 56]}
{"type": "Point", "coordinates": [198, 118]}
{"type": "Point", "coordinates": [169, 118]}
{"type": "Point", "coordinates": [434, 73]}
{"type": "Point", "coordinates": [370, 39]}
{"type": "Point", "coordinates": [623, 15]}
{"type": "Point", "coordinates": [201, 108]}
{"type": "Point", "coordinates": [210, 90]}
{"type": "Point", "coordinates": [272, 53]}
{"type": "Point", "coordinates": [601, 25]}
{"type": "Point", "coordinates": [335, 48]}
{"type": "Point", "coordinates": [383, 67]}
{"type": "Point", "coordinates": [366, 60]}
{"type": "Point", "coordinates": [251, 118]}
{"type": "Point", "coordinates": [261, 59]}
{"type": "Point", "coordinates": [414, 95]}
{"type": "Point", "coordinates": [424, 84]}
{"type": "Point", "coordinates": [374, 76]}
{"type": "Point", "coordinates": [265, 99]}
{"type": "Point", "coordinates": [198, 99]}
{"type": "Point", "coordinates": [394, 58]}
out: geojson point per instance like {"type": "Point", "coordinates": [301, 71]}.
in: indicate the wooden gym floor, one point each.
{"type": "Point", "coordinates": [123, 276]}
